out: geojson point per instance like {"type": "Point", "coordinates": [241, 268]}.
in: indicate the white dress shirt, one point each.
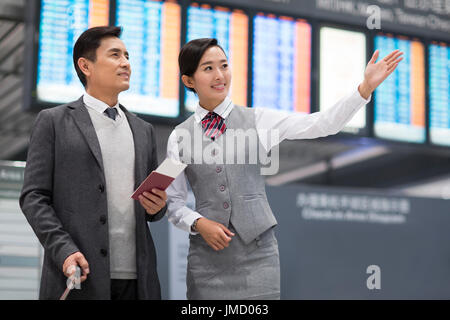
{"type": "Point", "coordinates": [289, 125]}
{"type": "Point", "coordinates": [99, 105]}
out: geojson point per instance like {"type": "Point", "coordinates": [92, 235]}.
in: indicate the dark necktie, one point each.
{"type": "Point", "coordinates": [111, 112]}
{"type": "Point", "coordinates": [213, 125]}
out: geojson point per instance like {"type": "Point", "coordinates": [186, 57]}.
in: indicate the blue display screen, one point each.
{"type": "Point", "coordinates": [61, 23]}
{"type": "Point", "coordinates": [400, 99]}
{"type": "Point", "coordinates": [151, 33]}
{"type": "Point", "coordinates": [281, 63]}
{"type": "Point", "coordinates": [439, 88]}
{"type": "Point", "coordinates": [230, 28]}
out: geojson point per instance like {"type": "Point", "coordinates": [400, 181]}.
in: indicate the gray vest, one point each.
{"type": "Point", "coordinates": [227, 192]}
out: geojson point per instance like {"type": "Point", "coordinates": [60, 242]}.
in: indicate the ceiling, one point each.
{"type": "Point", "coordinates": [333, 161]}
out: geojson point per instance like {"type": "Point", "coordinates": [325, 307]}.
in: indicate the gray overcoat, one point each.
{"type": "Point", "coordinates": [64, 200]}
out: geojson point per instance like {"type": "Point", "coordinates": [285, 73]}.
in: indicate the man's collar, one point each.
{"type": "Point", "coordinates": [97, 104]}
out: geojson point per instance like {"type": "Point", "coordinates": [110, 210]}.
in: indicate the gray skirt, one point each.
{"type": "Point", "coordinates": [235, 273]}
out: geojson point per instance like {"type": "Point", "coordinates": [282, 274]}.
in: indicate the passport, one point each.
{"type": "Point", "coordinates": [160, 178]}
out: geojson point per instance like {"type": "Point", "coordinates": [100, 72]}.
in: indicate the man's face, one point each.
{"type": "Point", "coordinates": [111, 70]}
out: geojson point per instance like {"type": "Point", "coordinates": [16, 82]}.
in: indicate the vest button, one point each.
{"type": "Point", "coordinates": [103, 252]}
{"type": "Point", "coordinates": [219, 169]}
{"type": "Point", "coordinates": [225, 205]}
{"type": "Point", "coordinates": [103, 219]}
{"type": "Point", "coordinates": [101, 187]}
{"type": "Point", "coordinates": [222, 188]}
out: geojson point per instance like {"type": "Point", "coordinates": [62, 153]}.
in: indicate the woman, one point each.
{"type": "Point", "coordinates": [233, 252]}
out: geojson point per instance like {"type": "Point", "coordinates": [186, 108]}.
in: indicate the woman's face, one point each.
{"type": "Point", "coordinates": [212, 79]}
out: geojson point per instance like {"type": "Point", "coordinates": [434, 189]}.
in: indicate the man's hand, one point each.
{"type": "Point", "coordinates": [376, 73]}
{"type": "Point", "coordinates": [76, 259]}
{"type": "Point", "coordinates": [216, 235]}
{"type": "Point", "coordinates": [153, 203]}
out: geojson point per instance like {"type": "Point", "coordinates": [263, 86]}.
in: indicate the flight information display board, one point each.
{"type": "Point", "coordinates": [151, 33]}
{"type": "Point", "coordinates": [281, 63]}
{"type": "Point", "coordinates": [230, 28]}
{"type": "Point", "coordinates": [61, 23]}
{"type": "Point", "coordinates": [400, 99]}
{"type": "Point", "coordinates": [343, 59]}
{"type": "Point", "coordinates": [439, 93]}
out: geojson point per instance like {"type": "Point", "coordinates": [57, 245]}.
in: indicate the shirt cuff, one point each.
{"type": "Point", "coordinates": [190, 220]}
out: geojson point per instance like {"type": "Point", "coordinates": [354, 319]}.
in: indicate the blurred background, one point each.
{"type": "Point", "coordinates": [375, 194]}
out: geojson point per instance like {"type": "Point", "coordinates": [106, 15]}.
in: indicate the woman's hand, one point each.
{"type": "Point", "coordinates": [216, 235]}
{"type": "Point", "coordinates": [376, 73]}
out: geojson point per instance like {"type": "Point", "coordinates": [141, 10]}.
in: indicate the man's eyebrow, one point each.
{"type": "Point", "coordinates": [117, 50]}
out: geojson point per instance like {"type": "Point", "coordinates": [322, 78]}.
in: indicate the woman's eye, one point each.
{"type": "Point", "coordinates": [208, 68]}
{"type": "Point", "coordinates": [225, 66]}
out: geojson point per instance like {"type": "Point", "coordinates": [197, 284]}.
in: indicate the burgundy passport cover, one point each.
{"type": "Point", "coordinates": [154, 180]}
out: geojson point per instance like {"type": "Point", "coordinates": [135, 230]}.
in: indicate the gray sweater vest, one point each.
{"type": "Point", "coordinates": [227, 192]}
{"type": "Point", "coordinates": [117, 146]}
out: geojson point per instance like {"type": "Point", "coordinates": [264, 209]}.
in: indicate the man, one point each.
{"type": "Point", "coordinates": [85, 159]}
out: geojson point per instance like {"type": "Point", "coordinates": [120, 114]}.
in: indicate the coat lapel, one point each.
{"type": "Point", "coordinates": [84, 122]}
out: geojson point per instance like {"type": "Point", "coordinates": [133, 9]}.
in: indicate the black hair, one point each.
{"type": "Point", "coordinates": [88, 43]}
{"type": "Point", "coordinates": [191, 54]}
